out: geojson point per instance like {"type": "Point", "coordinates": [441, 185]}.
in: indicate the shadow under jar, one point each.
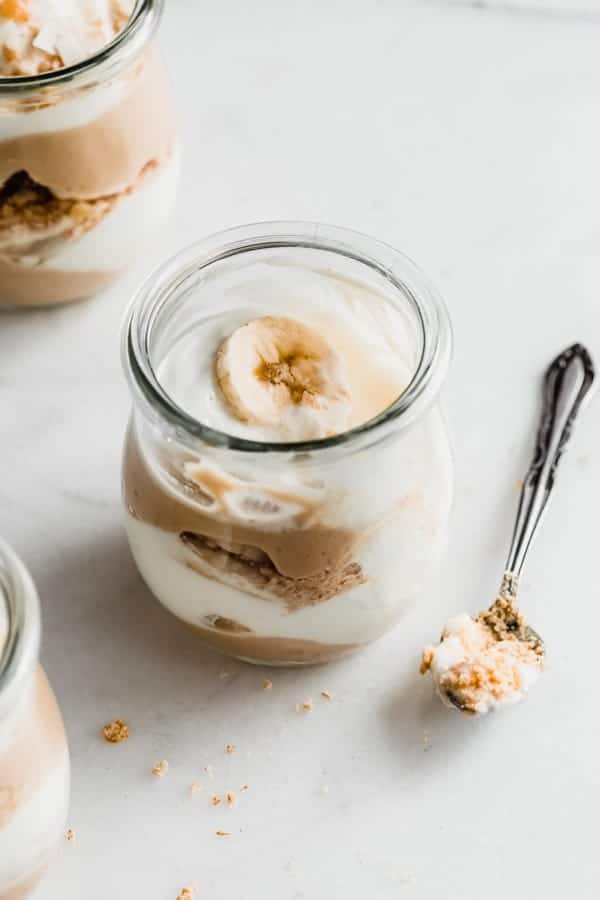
{"type": "Point", "coordinates": [298, 552]}
{"type": "Point", "coordinates": [88, 167]}
{"type": "Point", "coordinates": [34, 758]}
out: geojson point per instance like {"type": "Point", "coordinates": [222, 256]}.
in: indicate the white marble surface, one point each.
{"type": "Point", "coordinates": [468, 138]}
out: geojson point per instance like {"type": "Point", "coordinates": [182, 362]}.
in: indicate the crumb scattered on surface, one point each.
{"type": "Point", "coordinates": [216, 801]}
{"type": "Point", "coordinates": [267, 684]}
{"type": "Point", "coordinates": [187, 893]}
{"type": "Point", "coordinates": [161, 768]}
{"type": "Point", "coordinates": [231, 801]}
{"type": "Point", "coordinates": [222, 833]}
{"type": "Point", "coordinates": [195, 788]}
{"type": "Point", "coordinates": [307, 705]}
{"type": "Point", "coordinates": [245, 787]}
{"type": "Point", "coordinates": [327, 695]}
{"type": "Point", "coordinates": [70, 835]}
{"type": "Point", "coordinates": [116, 731]}
{"type": "Point", "coordinates": [426, 660]}
{"type": "Point", "coordinates": [230, 748]}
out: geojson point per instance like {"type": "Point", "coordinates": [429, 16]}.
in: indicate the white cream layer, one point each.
{"type": "Point", "coordinates": [368, 334]}
{"type": "Point", "coordinates": [31, 835]}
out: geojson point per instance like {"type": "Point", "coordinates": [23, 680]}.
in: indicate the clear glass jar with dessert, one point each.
{"type": "Point", "coordinates": [34, 759]}
{"type": "Point", "coordinates": [88, 157]}
{"type": "Point", "coordinates": [287, 475]}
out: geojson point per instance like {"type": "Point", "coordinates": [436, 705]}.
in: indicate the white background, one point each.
{"type": "Point", "coordinates": [468, 138]}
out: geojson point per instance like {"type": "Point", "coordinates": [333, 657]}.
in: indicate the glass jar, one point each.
{"type": "Point", "coordinates": [34, 758]}
{"type": "Point", "coordinates": [286, 553]}
{"type": "Point", "coordinates": [88, 167]}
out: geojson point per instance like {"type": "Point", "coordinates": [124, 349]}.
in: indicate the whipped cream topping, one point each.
{"type": "Point", "coordinates": [476, 671]}
{"type": "Point", "coordinates": [38, 36]}
{"type": "Point", "coordinates": [286, 353]}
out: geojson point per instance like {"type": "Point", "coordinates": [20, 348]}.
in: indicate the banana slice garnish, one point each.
{"type": "Point", "coordinates": [279, 373]}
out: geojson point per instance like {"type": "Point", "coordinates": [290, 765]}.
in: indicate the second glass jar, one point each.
{"type": "Point", "coordinates": [88, 167]}
{"type": "Point", "coordinates": [34, 758]}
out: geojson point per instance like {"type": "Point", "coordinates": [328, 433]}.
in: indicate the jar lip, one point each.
{"type": "Point", "coordinates": [397, 269]}
{"type": "Point", "coordinates": [132, 38]}
{"type": "Point", "coordinates": [20, 650]}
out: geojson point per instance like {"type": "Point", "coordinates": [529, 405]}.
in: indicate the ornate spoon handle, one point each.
{"type": "Point", "coordinates": [566, 384]}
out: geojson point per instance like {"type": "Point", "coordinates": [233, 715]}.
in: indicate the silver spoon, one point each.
{"type": "Point", "coordinates": [566, 385]}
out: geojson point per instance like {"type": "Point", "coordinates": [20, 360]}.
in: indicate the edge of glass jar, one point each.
{"type": "Point", "coordinates": [21, 648]}
{"type": "Point", "coordinates": [133, 37]}
{"type": "Point", "coordinates": [430, 310]}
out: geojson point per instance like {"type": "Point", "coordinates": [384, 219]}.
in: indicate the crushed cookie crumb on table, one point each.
{"type": "Point", "coordinates": [116, 731]}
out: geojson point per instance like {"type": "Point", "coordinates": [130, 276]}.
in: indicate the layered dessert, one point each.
{"type": "Point", "coordinates": [87, 164]}
{"type": "Point", "coordinates": [485, 663]}
{"type": "Point", "coordinates": [283, 552]}
{"type": "Point", "coordinates": [34, 781]}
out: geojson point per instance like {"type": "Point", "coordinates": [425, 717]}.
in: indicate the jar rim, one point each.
{"type": "Point", "coordinates": [397, 269]}
{"type": "Point", "coordinates": [20, 650]}
{"type": "Point", "coordinates": [131, 40]}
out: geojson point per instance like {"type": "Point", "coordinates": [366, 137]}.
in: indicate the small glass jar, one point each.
{"type": "Point", "coordinates": [286, 553]}
{"type": "Point", "coordinates": [34, 758]}
{"type": "Point", "coordinates": [88, 167]}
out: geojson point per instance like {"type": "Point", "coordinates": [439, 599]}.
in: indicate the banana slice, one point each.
{"type": "Point", "coordinates": [279, 373]}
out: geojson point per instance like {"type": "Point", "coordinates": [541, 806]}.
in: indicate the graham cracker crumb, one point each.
{"type": "Point", "coordinates": [216, 801]}
{"type": "Point", "coordinates": [267, 684]}
{"type": "Point", "coordinates": [245, 787]}
{"type": "Point", "coordinates": [15, 10]}
{"type": "Point", "coordinates": [70, 835]}
{"type": "Point", "coordinates": [195, 788]}
{"type": "Point", "coordinates": [426, 660]}
{"type": "Point", "coordinates": [222, 833]}
{"type": "Point", "coordinates": [161, 768]}
{"type": "Point", "coordinates": [187, 893]}
{"type": "Point", "coordinates": [307, 705]}
{"type": "Point", "coordinates": [116, 731]}
{"type": "Point", "coordinates": [230, 748]}
{"type": "Point", "coordinates": [231, 800]}
{"type": "Point", "coordinates": [327, 695]}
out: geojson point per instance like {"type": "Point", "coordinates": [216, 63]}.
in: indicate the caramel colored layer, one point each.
{"type": "Point", "coordinates": [22, 286]}
{"type": "Point", "coordinates": [306, 550]}
{"type": "Point", "coordinates": [106, 155]}
{"type": "Point", "coordinates": [38, 745]}
{"type": "Point", "coordinates": [258, 649]}
{"type": "Point", "coordinates": [260, 577]}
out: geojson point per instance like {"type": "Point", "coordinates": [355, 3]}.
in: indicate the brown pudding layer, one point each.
{"type": "Point", "coordinates": [301, 564]}
{"type": "Point", "coordinates": [302, 549]}
{"type": "Point", "coordinates": [254, 648]}
{"type": "Point", "coordinates": [38, 745]}
{"type": "Point", "coordinates": [106, 155]}
{"type": "Point", "coordinates": [252, 569]}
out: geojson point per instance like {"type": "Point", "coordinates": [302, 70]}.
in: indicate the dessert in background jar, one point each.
{"type": "Point", "coordinates": [287, 475]}
{"type": "Point", "coordinates": [34, 759]}
{"type": "Point", "coordinates": [88, 162]}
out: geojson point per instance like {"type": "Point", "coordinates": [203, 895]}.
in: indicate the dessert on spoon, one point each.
{"type": "Point", "coordinates": [490, 660]}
